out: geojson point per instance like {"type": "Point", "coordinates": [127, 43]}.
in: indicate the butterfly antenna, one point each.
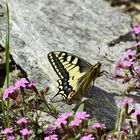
{"type": "Point", "coordinates": [102, 72]}
{"type": "Point", "coordinates": [102, 56]}
{"type": "Point", "coordinates": [98, 52]}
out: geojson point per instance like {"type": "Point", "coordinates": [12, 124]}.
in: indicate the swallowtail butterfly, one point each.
{"type": "Point", "coordinates": [75, 74]}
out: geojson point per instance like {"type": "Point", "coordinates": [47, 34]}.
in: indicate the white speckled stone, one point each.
{"type": "Point", "coordinates": [80, 27]}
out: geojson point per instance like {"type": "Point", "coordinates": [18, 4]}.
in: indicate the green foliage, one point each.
{"type": "Point", "coordinates": [29, 102]}
{"type": "Point", "coordinates": [80, 108]}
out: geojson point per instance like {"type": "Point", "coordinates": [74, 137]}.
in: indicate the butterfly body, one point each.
{"type": "Point", "coordinates": [75, 74]}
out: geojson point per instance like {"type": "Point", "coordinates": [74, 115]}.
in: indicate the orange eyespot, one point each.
{"type": "Point", "coordinates": [71, 94]}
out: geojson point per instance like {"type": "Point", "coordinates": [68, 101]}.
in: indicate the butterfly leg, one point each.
{"type": "Point", "coordinates": [103, 73]}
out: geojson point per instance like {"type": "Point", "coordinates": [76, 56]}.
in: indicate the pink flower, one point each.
{"type": "Point", "coordinates": [138, 69]}
{"type": "Point", "coordinates": [128, 63]}
{"type": "Point", "coordinates": [66, 115]}
{"type": "Point", "coordinates": [49, 130]}
{"type": "Point", "coordinates": [99, 125]}
{"type": "Point", "coordinates": [126, 100]}
{"type": "Point", "coordinates": [111, 138]}
{"type": "Point", "coordinates": [138, 43]}
{"type": "Point", "coordinates": [8, 91]}
{"type": "Point", "coordinates": [22, 120]}
{"type": "Point", "coordinates": [136, 29]}
{"type": "Point", "coordinates": [119, 65]}
{"type": "Point", "coordinates": [81, 115]}
{"type": "Point", "coordinates": [60, 121]}
{"type": "Point", "coordinates": [137, 112]}
{"type": "Point", "coordinates": [11, 138]}
{"type": "Point", "coordinates": [51, 137]}
{"type": "Point", "coordinates": [21, 83]}
{"type": "Point", "coordinates": [63, 118]}
{"type": "Point", "coordinates": [126, 79]}
{"type": "Point", "coordinates": [129, 53]}
{"type": "Point", "coordinates": [88, 137]}
{"type": "Point", "coordinates": [7, 131]}
{"type": "Point", "coordinates": [75, 122]}
{"type": "Point", "coordinates": [31, 84]}
{"type": "Point", "coordinates": [25, 131]}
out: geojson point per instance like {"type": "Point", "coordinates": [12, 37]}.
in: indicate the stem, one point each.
{"type": "Point", "coordinates": [119, 119]}
{"type": "Point", "coordinates": [7, 58]}
{"type": "Point", "coordinates": [119, 124]}
{"type": "Point", "coordinates": [3, 110]}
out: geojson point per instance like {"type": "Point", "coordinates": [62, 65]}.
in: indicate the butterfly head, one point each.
{"type": "Point", "coordinates": [89, 77]}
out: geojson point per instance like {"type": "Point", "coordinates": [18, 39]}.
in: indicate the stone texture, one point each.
{"type": "Point", "coordinates": [81, 27]}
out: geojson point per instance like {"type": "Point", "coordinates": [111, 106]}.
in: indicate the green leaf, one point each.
{"type": "Point", "coordinates": [80, 108]}
{"type": "Point", "coordinates": [77, 136]}
{"type": "Point", "coordinates": [85, 122]}
{"type": "Point", "coordinates": [71, 139]}
{"type": "Point", "coordinates": [70, 118]}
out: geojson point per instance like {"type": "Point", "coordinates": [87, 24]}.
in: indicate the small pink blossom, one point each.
{"type": "Point", "coordinates": [7, 131]}
{"type": "Point", "coordinates": [117, 76]}
{"type": "Point", "coordinates": [81, 115]}
{"type": "Point", "coordinates": [126, 79]}
{"type": "Point", "coordinates": [21, 83]}
{"type": "Point", "coordinates": [66, 115]}
{"type": "Point", "coordinates": [8, 91]}
{"type": "Point", "coordinates": [25, 131]}
{"type": "Point", "coordinates": [88, 137]}
{"type": "Point", "coordinates": [137, 44]}
{"type": "Point", "coordinates": [60, 121]}
{"type": "Point", "coordinates": [136, 29]}
{"type": "Point", "coordinates": [49, 130]}
{"type": "Point", "coordinates": [111, 138]}
{"type": "Point", "coordinates": [137, 112]}
{"type": "Point", "coordinates": [120, 77]}
{"type": "Point", "coordinates": [119, 65]}
{"type": "Point", "coordinates": [51, 137]}
{"type": "Point", "coordinates": [138, 69]}
{"type": "Point", "coordinates": [126, 100]}
{"type": "Point", "coordinates": [63, 118]}
{"type": "Point", "coordinates": [98, 125]}
{"type": "Point", "coordinates": [22, 120]}
{"type": "Point", "coordinates": [11, 138]}
{"type": "Point", "coordinates": [128, 63]}
{"type": "Point", "coordinates": [129, 53]}
{"type": "Point", "coordinates": [31, 84]}
{"type": "Point", "coordinates": [75, 122]}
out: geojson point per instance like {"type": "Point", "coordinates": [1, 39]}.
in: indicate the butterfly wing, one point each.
{"type": "Point", "coordinates": [70, 69]}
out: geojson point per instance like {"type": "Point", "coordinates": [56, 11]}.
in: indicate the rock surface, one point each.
{"type": "Point", "coordinates": [81, 27]}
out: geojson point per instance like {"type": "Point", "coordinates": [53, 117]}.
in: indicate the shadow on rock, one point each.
{"type": "Point", "coordinates": [102, 106]}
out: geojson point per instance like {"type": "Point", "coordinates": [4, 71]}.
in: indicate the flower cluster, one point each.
{"type": "Point", "coordinates": [69, 125]}
{"type": "Point", "coordinates": [24, 90]}
{"type": "Point", "coordinates": [136, 29]}
{"type": "Point", "coordinates": [126, 100]}
{"type": "Point", "coordinates": [128, 69]}
{"type": "Point", "coordinates": [10, 92]}
{"type": "Point", "coordinates": [24, 131]}
{"type": "Point", "coordinates": [74, 126]}
{"type": "Point", "coordinates": [24, 101]}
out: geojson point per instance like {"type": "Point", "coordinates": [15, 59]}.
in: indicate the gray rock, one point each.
{"type": "Point", "coordinates": [81, 27]}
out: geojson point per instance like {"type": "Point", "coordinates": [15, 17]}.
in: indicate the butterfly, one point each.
{"type": "Point", "coordinates": [75, 74]}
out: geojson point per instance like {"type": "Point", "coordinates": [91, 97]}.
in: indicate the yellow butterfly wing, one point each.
{"type": "Point", "coordinates": [74, 73]}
